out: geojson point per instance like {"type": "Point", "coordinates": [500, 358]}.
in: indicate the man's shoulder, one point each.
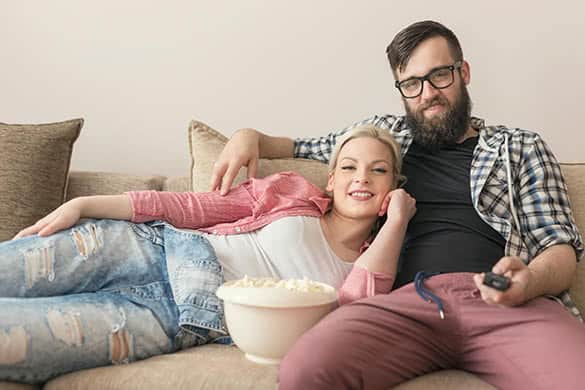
{"type": "Point", "coordinates": [514, 134]}
{"type": "Point", "coordinates": [384, 121]}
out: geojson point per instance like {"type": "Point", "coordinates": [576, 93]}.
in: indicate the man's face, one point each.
{"type": "Point", "coordinates": [437, 116]}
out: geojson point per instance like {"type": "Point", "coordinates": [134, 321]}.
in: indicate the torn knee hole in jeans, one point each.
{"type": "Point", "coordinates": [87, 242]}
{"type": "Point", "coordinates": [39, 264]}
{"type": "Point", "coordinates": [13, 345]}
{"type": "Point", "coordinates": [120, 346]}
{"type": "Point", "coordinates": [66, 326]}
{"type": "Point", "coordinates": [121, 342]}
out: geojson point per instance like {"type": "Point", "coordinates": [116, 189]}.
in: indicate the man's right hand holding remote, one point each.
{"type": "Point", "coordinates": [520, 277]}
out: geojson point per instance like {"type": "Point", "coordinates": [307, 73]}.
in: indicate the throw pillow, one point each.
{"type": "Point", "coordinates": [34, 164]}
{"type": "Point", "coordinates": [206, 144]}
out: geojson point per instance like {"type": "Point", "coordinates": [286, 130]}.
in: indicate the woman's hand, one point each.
{"type": "Point", "coordinates": [399, 206]}
{"type": "Point", "coordinates": [67, 215]}
{"type": "Point", "coordinates": [61, 218]}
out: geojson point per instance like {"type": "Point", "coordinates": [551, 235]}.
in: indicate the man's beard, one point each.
{"type": "Point", "coordinates": [444, 129]}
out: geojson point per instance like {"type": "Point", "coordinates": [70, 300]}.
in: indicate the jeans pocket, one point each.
{"type": "Point", "coordinates": [148, 231]}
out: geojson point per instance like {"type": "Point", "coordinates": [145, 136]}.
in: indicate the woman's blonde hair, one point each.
{"type": "Point", "coordinates": [375, 132]}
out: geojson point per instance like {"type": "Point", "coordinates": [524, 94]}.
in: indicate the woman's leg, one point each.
{"type": "Point", "coordinates": [93, 255]}
{"type": "Point", "coordinates": [44, 337]}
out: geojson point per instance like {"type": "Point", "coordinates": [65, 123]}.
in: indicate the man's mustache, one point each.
{"type": "Point", "coordinates": [436, 100]}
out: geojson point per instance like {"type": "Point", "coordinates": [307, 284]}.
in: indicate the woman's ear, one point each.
{"type": "Point", "coordinates": [330, 182]}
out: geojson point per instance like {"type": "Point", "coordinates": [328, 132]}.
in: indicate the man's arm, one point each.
{"type": "Point", "coordinates": [552, 271]}
{"type": "Point", "coordinates": [244, 148]}
{"type": "Point", "coordinates": [548, 229]}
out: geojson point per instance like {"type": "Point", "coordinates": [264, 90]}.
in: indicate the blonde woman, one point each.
{"type": "Point", "coordinates": [139, 278]}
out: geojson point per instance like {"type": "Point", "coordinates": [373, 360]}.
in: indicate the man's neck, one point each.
{"type": "Point", "coordinates": [471, 132]}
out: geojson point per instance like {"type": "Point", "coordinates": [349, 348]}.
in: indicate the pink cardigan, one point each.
{"type": "Point", "coordinates": [250, 206]}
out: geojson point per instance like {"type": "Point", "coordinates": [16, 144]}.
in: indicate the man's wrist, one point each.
{"type": "Point", "coordinates": [533, 288]}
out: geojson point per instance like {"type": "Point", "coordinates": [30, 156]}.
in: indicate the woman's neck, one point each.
{"type": "Point", "coordinates": [345, 235]}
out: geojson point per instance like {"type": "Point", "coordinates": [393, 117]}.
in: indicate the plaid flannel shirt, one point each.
{"type": "Point", "coordinates": [543, 216]}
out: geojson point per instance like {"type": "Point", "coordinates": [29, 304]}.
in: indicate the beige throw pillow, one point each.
{"type": "Point", "coordinates": [34, 163]}
{"type": "Point", "coordinates": [206, 144]}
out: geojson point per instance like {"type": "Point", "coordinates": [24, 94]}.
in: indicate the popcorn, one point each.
{"type": "Point", "coordinates": [303, 285]}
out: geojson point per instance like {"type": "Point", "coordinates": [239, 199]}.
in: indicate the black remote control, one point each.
{"type": "Point", "coordinates": [499, 282]}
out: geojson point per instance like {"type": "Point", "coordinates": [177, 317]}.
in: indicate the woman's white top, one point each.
{"type": "Point", "coordinates": [290, 247]}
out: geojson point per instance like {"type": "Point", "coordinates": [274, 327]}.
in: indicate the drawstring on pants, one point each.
{"type": "Point", "coordinates": [425, 294]}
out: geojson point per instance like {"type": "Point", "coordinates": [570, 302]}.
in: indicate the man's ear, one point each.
{"type": "Point", "coordinates": [466, 72]}
{"type": "Point", "coordinates": [330, 182]}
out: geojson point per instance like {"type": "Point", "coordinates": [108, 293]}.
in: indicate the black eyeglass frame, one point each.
{"type": "Point", "coordinates": [426, 77]}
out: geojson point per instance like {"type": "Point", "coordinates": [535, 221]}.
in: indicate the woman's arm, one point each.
{"type": "Point", "coordinates": [375, 270]}
{"type": "Point", "coordinates": [383, 253]}
{"type": "Point", "coordinates": [250, 199]}
{"type": "Point", "coordinates": [67, 215]}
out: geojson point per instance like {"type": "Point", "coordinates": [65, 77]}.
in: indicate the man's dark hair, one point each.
{"type": "Point", "coordinates": [404, 43]}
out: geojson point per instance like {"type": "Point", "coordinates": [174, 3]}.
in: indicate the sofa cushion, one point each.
{"type": "Point", "coordinates": [33, 177]}
{"type": "Point", "coordinates": [17, 386]}
{"type": "Point", "coordinates": [207, 367]}
{"type": "Point", "coordinates": [177, 184]}
{"type": "Point", "coordinates": [206, 144]}
{"type": "Point", "coordinates": [101, 183]}
{"type": "Point", "coordinates": [219, 367]}
{"type": "Point", "coordinates": [574, 175]}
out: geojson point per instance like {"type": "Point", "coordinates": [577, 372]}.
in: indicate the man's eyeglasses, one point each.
{"type": "Point", "coordinates": [439, 78]}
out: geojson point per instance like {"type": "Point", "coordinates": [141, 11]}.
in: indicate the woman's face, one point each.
{"type": "Point", "coordinates": [362, 178]}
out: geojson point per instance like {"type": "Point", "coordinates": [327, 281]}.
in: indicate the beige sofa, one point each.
{"type": "Point", "coordinates": [223, 367]}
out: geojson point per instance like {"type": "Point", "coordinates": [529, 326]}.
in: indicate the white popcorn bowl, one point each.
{"type": "Point", "coordinates": [265, 322]}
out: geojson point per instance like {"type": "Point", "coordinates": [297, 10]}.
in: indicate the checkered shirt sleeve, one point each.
{"type": "Point", "coordinates": [545, 210]}
{"type": "Point", "coordinates": [320, 148]}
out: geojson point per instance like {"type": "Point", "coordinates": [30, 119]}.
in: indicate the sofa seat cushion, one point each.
{"type": "Point", "coordinates": [208, 367]}
{"type": "Point", "coordinates": [16, 386]}
{"type": "Point", "coordinates": [215, 367]}
{"type": "Point", "coordinates": [446, 380]}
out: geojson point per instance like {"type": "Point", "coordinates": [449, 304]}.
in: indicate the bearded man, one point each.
{"type": "Point", "coordinates": [489, 198]}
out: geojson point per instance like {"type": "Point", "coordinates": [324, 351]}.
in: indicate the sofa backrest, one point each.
{"type": "Point", "coordinates": [83, 183]}
{"type": "Point", "coordinates": [94, 183]}
{"type": "Point", "coordinates": [574, 175]}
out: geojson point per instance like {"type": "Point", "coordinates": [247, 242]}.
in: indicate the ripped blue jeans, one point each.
{"type": "Point", "coordinates": [100, 294]}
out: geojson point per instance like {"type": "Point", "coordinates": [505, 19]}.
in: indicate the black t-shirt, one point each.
{"type": "Point", "coordinates": [446, 234]}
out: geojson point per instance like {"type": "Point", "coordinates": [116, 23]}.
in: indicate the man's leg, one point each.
{"type": "Point", "coordinates": [539, 345]}
{"type": "Point", "coordinates": [374, 343]}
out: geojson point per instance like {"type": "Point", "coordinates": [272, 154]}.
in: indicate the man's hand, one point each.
{"type": "Point", "coordinates": [61, 218]}
{"type": "Point", "coordinates": [520, 276]}
{"type": "Point", "coordinates": [243, 149]}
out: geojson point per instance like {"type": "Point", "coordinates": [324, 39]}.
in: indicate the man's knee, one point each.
{"type": "Point", "coordinates": [309, 365]}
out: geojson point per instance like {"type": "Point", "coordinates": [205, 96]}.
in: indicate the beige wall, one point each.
{"type": "Point", "coordinates": [138, 70]}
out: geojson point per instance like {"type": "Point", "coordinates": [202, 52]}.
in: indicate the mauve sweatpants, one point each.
{"type": "Point", "coordinates": [378, 342]}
